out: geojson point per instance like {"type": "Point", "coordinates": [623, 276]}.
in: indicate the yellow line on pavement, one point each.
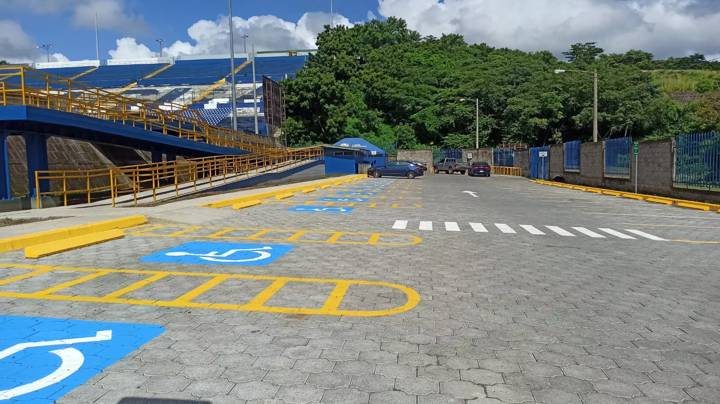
{"type": "Point", "coordinates": [257, 303]}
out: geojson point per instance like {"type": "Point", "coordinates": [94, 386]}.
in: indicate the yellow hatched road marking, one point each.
{"type": "Point", "coordinates": [137, 285]}
{"type": "Point", "coordinates": [68, 284]}
{"type": "Point", "coordinates": [257, 303]}
{"type": "Point", "coordinates": [295, 235]}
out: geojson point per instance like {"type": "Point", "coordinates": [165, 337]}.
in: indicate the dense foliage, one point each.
{"type": "Point", "coordinates": [386, 83]}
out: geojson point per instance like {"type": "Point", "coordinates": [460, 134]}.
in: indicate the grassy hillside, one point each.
{"type": "Point", "coordinates": [687, 81]}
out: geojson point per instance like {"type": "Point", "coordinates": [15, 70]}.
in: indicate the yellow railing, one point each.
{"type": "Point", "coordinates": [21, 85]}
{"type": "Point", "coordinates": [146, 180]}
{"type": "Point", "coordinates": [515, 171]}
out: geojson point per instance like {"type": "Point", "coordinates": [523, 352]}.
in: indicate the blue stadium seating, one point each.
{"type": "Point", "coordinates": [193, 72]}
{"type": "Point", "coordinates": [275, 67]}
{"type": "Point", "coordinates": [172, 95]}
{"type": "Point", "coordinates": [117, 75]}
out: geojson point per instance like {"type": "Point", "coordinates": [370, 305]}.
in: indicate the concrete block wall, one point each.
{"type": "Point", "coordinates": [655, 170]}
{"type": "Point", "coordinates": [421, 156]}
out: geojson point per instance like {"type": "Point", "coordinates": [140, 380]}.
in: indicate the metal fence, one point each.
{"type": "Point", "coordinates": [617, 157]}
{"type": "Point", "coordinates": [572, 155]}
{"type": "Point", "coordinates": [697, 161]}
{"type": "Point", "coordinates": [503, 157]}
{"type": "Point", "coordinates": [540, 162]}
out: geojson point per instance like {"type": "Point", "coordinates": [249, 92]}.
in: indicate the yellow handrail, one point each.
{"type": "Point", "coordinates": [84, 186]}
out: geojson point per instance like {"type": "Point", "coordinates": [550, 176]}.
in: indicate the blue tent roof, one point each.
{"type": "Point", "coordinates": [358, 143]}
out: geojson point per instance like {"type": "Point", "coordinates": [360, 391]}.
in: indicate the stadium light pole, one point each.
{"type": "Point", "coordinates": [97, 39]}
{"type": "Point", "coordinates": [160, 42]}
{"type": "Point", "coordinates": [233, 90]}
{"type": "Point", "coordinates": [477, 121]}
{"type": "Point", "coordinates": [46, 47]}
{"type": "Point", "coordinates": [255, 108]}
{"type": "Point", "coordinates": [332, 15]}
{"type": "Point", "coordinates": [595, 96]}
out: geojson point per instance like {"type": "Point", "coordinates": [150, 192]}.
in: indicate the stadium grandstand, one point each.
{"type": "Point", "coordinates": [74, 129]}
{"type": "Point", "coordinates": [201, 84]}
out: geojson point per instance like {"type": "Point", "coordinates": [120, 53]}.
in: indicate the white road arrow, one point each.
{"type": "Point", "coordinates": [471, 193]}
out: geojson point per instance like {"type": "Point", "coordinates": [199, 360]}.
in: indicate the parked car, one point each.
{"type": "Point", "coordinates": [450, 166]}
{"type": "Point", "coordinates": [479, 168]}
{"type": "Point", "coordinates": [419, 164]}
{"type": "Point", "coordinates": [396, 169]}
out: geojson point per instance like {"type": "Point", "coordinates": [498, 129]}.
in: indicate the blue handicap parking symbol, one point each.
{"type": "Point", "coordinates": [42, 359]}
{"type": "Point", "coordinates": [320, 209]}
{"type": "Point", "coordinates": [204, 253]}
{"type": "Point", "coordinates": [331, 199]}
{"type": "Point", "coordinates": [356, 193]}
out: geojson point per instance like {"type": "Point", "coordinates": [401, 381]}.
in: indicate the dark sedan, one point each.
{"type": "Point", "coordinates": [479, 169]}
{"type": "Point", "coordinates": [396, 169]}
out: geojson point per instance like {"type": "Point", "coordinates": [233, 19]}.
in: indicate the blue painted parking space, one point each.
{"type": "Point", "coordinates": [332, 199]}
{"type": "Point", "coordinates": [42, 359]}
{"type": "Point", "coordinates": [205, 253]}
{"type": "Point", "coordinates": [320, 209]}
{"type": "Point", "coordinates": [358, 193]}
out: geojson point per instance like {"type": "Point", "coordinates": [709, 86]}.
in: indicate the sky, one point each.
{"type": "Point", "coordinates": [129, 29]}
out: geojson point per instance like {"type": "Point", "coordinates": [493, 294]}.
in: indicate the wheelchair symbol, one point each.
{"type": "Point", "coordinates": [215, 256]}
{"type": "Point", "coordinates": [71, 360]}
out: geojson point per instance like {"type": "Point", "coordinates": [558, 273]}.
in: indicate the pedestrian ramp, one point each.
{"type": "Point", "coordinates": [529, 229]}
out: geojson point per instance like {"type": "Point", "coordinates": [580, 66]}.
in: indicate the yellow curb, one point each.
{"type": "Point", "coordinates": [26, 240]}
{"type": "Point", "coordinates": [284, 196]}
{"type": "Point", "coordinates": [246, 204]}
{"type": "Point", "coordinates": [692, 205]}
{"type": "Point", "coordinates": [72, 243]}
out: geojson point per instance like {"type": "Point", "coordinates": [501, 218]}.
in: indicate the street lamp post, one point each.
{"type": "Point", "coordinates": [477, 121]}
{"type": "Point", "coordinates": [595, 96]}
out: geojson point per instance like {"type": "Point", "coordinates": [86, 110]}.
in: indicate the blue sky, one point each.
{"type": "Point", "coordinates": [162, 19]}
{"type": "Point", "coordinates": [129, 28]}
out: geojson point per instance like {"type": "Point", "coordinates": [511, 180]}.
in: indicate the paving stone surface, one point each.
{"type": "Point", "coordinates": [503, 317]}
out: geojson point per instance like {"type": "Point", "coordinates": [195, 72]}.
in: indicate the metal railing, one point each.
{"type": "Point", "coordinates": [21, 85]}
{"type": "Point", "coordinates": [618, 153]}
{"type": "Point", "coordinates": [514, 171]}
{"type": "Point", "coordinates": [697, 161]}
{"type": "Point", "coordinates": [147, 180]}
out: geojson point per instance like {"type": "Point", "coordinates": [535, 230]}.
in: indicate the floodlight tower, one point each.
{"type": "Point", "coordinates": [46, 47]}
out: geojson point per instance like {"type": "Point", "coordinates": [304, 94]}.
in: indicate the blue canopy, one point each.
{"type": "Point", "coordinates": [358, 143]}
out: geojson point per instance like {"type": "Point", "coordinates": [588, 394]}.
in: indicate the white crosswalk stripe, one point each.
{"type": "Point", "coordinates": [505, 228]}
{"type": "Point", "coordinates": [426, 226]}
{"type": "Point", "coordinates": [646, 235]}
{"type": "Point", "coordinates": [560, 231]}
{"type": "Point", "coordinates": [400, 225]}
{"type": "Point", "coordinates": [588, 232]}
{"type": "Point", "coordinates": [617, 234]}
{"type": "Point", "coordinates": [452, 226]}
{"type": "Point", "coordinates": [532, 230]}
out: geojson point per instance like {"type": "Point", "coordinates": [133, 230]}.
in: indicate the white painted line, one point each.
{"type": "Point", "coordinates": [617, 234]}
{"type": "Point", "coordinates": [426, 226]}
{"type": "Point", "coordinates": [505, 228]}
{"type": "Point", "coordinates": [400, 225]}
{"type": "Point", "coordinates": [478, 228]}
{"type": "Point", "coordinates": [452, 226]}
{"type": "Point", "coordinates": [560, 231]}
{"type": "Point", "coordinates": [588, 232]}
{"type": "Point", "coordinates": [532, 230]}
{"type": "Point", "coordinates": [646, 235]}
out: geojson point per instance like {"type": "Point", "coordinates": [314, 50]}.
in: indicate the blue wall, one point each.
{"type": "Point", "coordinates": [341, 161]}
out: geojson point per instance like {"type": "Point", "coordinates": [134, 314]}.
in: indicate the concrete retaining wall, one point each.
{"type": "Point", "coordinates": [421, 156]}
{"type": "Point", "coordinates": [655, 170]}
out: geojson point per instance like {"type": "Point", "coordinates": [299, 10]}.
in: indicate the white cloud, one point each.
{"type": "Point", "coordinates": [268, 32]}
{"type": "Point", "coordinates": [664, 27]}
{"type": "Point", "coordinates": [111, 14]}
{"type": "Point", "coordinates": [129, 48]}
{"type": "Point", "coordinates": [16, 46]}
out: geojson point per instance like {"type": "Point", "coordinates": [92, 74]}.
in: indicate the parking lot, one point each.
{"type": "Point", "coordinates": [443, 289]}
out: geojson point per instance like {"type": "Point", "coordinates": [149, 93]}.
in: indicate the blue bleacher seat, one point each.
{"type": "Point", "coordinates": [193, 72]}
{"type": "Point", "coordinates": [117, 75]}
{"type": "Point", "coordinates": [172, 95]}
{"type": "Point", "coordinates": [275, 67]}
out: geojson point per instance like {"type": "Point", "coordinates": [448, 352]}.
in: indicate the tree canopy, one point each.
{"type": "Point", "coordinates": [386, 83]}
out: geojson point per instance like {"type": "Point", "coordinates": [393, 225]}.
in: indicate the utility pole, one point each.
{"type": "Point", "coordinates": [595, 106]}
{"type": "Point", "coordinates": [97, 40]}
{"type": "Point", "coordinates": [233, 90]}
{"type": "Point", "coordinates": [160, 42]}
{"type": "Point", "coordinates": [46, 47]}
{"type": "Point", "coordinates": [477, 123]}
{"type": "Point", "coordinates": [255, 108]}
